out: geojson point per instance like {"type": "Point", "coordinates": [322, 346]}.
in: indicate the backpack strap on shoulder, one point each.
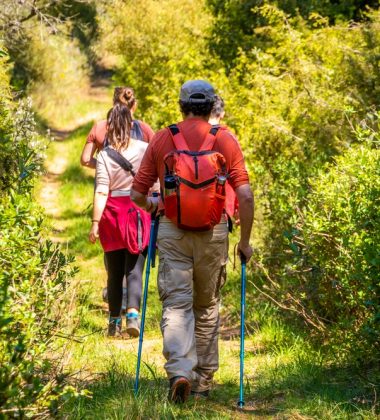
{"type": "Point", "coordinates": [120, 160]}
{"type": "Point", "coordinates": [209, 141]}
{"type": "Point", "coordinates": [136, 131]}
{"type": "Point", "coordinates": [178, 139]}
{"type": "Point", "coordinates": [105, 141]}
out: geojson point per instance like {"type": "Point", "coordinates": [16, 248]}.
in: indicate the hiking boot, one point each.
{"type": "Point", "coordinates": [200, 395]}
{"type": "Point", "coordinates": [133, 324]}
{"type": "Point", "coordinates": [179, 389]}
{"type": "Point", "coordinates": [114, 327]}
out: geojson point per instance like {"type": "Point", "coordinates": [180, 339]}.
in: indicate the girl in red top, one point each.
{"type": "Point", "coordinates": [95, 139]}
{"type": "Point", "coordinates": [121, 226]}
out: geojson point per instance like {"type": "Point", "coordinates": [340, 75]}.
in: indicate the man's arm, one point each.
{"type": "Point", "coordinates": [148, 203]}
{"type": "Point", "coordinates": [246, 202]}
{"type": "Point", "coordinates": [146, 177]}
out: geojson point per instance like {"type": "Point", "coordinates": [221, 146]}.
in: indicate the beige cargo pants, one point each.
{"type": "Point", "coordinates": [192, 271]}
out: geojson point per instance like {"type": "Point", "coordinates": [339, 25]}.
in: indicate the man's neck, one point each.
{"type": "Point", "coordinates": [198, 117]}
{"type": "Point", "coordinates": [214, 121]}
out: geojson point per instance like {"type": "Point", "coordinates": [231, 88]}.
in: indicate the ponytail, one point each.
{"type": "Point", "coordinates": [119, 118]}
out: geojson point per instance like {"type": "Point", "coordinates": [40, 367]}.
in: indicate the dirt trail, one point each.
{"type": "Point", "coordinates": [57, 165]}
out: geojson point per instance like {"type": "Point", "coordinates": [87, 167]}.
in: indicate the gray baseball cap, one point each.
{"type": "Point", "coordinates": [197, 91]}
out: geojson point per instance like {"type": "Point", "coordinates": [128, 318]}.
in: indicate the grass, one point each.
{"type": "Point", "coordinates": [285, 376]}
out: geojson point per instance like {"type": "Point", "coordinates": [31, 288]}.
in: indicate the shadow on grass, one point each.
{"type": "Point", "coordinates": [76, 214]}
{"type": "Point", "coordinates": [76, 175]}
{"type": "Point", "coordinates": [76, 234]}
{"type": "Point", "coordinates": [315, 389]}
{"type": "Point", "coordinates": [81, 131]}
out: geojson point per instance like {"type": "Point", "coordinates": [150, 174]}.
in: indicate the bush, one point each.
{"type": "Point", "coordinates": [340, 235]}
{"type": "Point", "coordinates": [50, 68]}
{"type": "Point", "coordinates": [34, 280]}
{"type": "Point", "coordinates": [241, 19]}
{"type": "Point", "coordinates": [58, 72]}
{"type": "Point", "coordinates": [160, 45]}
{"type": "Point", "coordinates": [330, 274]}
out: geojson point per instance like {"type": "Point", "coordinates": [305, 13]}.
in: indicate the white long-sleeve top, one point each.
{"type": "Point", "coordinates": [110, 176]}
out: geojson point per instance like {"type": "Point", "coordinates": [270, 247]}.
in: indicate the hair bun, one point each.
{"type": "Point", "coordinates": [124, 95]}
{"type": "Point", "coordinates": [129, 94]}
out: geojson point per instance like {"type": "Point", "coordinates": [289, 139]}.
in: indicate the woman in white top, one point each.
{"type": "Point", "coordinates": [122, 227]}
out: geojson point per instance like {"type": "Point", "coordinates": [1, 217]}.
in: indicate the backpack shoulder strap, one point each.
{"type": "Point", "coordinates": [209, 141]}
{"type": "Point", "coordinates": [105, 141]}
{"type": "Point", "coordinates": [136, 131]}
{"type": "Point", "coordinates": [121, 160]}
{"type": "Point", "coordinates": [178, 139]}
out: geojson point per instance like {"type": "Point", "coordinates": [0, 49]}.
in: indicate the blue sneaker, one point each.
{"type": "Point", "coordinates": [133, 324]}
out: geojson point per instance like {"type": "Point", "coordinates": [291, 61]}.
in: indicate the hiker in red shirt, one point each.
{"type": "Point", "coordinates": [95, 139]}
{"type": "Point", "coordinates": [121, 226]}
{"type": "Point", "coordinates": [192, 160]}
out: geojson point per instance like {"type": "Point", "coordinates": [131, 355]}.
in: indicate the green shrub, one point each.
{"type": "Point", "coordinates": [50, 68]}
{"type": "Point", "coordinates": [330, 274]}
{"type": "Point", "coordinates": [160, 45]}
{"type": "Point", "coordinates": [34, 279]}
{"type": "Point", "coordinates": [340, 234]}
{"type": "Point", "coordinates": [240, 20]}
{"type": "Point", "coordinates": [59, 72]}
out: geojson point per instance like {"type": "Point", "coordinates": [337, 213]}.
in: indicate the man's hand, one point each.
{"type": "Point", "coordinates": [151, 204]}
{"type": "Point", "coordinates": [246, 250]}
{"type": "Point", "coordinates": [245, 198]}
{"type": "Point", "coordinates": [94, 232]}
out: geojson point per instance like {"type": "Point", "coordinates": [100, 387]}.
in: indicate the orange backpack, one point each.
{"type": "Point", "coordinates": [194, 183]}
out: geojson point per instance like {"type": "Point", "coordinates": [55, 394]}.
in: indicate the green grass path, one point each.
{"type": "Point", "coordinates": [285, 378]}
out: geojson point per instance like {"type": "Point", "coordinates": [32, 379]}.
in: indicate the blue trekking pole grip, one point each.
{"type": "Point", "coordinates": [151, 246]}
{"type": "Point", "coordinates": [242, 329]}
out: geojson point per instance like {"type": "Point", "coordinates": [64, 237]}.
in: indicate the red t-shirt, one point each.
{"type": "Point", "coordinates": [194, 130]}
{"type": "Point", "coordinates": [99, 130]}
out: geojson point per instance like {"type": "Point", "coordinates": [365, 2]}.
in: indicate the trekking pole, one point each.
{"type": "Point", "coordinates": [242, 330]}
{"type": "Point", "coordinates": [151, 252]}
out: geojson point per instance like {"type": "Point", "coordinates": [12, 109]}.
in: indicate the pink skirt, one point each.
{"type": "Point", "coordinates": [124, 226]}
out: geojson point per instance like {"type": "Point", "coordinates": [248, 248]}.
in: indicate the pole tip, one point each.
{"type": "Point", "coordinates": [240, 404]}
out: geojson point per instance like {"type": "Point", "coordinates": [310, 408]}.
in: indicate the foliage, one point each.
{"type": "Point", "coordinates": [156, 57]}
{"type": "Point", "coordinates": [241, 19]}
{"type": "Point", "coordinates": [48, 63]}
{"type": "Point", "coordinates": [290, 107]}
{"type": "Point", "coordinates": [34, 278]}
{"type": "Point", "coordinates": [338, 277]}
{"type": "Point", "coordinates": [55, 69]}
{"type": "Point", "coordinates": [15, 17]}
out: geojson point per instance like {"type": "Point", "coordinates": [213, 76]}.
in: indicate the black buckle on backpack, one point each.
{"type": "Point", "coordinates": [174, 129]}
{"type": "Point", "coordinates": [214, 129]}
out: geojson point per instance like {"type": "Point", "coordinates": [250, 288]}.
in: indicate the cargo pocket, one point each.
{"type": "Point", "coordinates": [221, 279]}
